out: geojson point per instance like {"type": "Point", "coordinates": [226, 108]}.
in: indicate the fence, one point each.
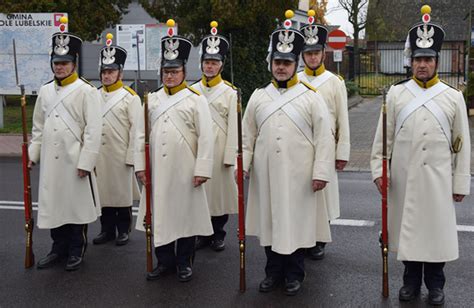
{"type": "Point", "coordinates": [381, 67]}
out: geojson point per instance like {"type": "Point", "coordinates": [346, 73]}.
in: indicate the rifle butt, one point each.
{"type": "Point", "coordinates": [242, 266]}
{"type": "Point", "coordinates": [385, 270]}
{"type": "Point", "coordinates": [149, 255]}
{"type": "Point", "coordinates": [29, 255]}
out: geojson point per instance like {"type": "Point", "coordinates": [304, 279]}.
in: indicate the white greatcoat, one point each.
{"type": "Point", "coordinates": [116, 179]}
{"type": "Point", "coordinates": [221, 190]}
{"type": "Point", "coordinates": [333, 90]}
{"type": "Point", "coordinates": [424, 174]}
{"type": "Point", "coordinates": [64, 198]}
{"type": "Point", "coordinates": [281, 209]}
{"type": "Point", "coordinates": [179, 209]}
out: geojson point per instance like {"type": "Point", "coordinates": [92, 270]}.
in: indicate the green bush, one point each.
{"type": "Point", "coordinates": [352, 88]}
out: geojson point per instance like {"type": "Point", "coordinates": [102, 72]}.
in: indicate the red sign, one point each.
{"type": "Point", "coordinates": [337, 39]}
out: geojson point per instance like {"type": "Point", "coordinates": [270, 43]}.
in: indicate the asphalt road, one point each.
{"type": "Point", "coordinates": [349, 276]}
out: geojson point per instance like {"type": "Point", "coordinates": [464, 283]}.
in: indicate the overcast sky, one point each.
{"type": "Point", "coordinates": [338, 16]}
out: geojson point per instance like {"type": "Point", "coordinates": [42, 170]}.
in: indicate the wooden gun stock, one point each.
{"type": "Point", "coordinates": [147, 222]}
{"type": "Point", "coordinates": [240, 186]}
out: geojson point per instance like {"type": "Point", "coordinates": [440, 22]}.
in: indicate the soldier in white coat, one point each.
{"type": "Point", "coordinates": [65, 140]}
{"type": "Point", "coordinates": [288, 154]}
{"type": "Point", "coordinates": [182, 147]}
{"type": "Point", "coordinates": [221, 96]}
{"type": "Point", "coordinates": [429, 153]}
{"type": "Point", "coordinates": [116, 179]}
{"type": "Point", "coordinates": [333, 89]}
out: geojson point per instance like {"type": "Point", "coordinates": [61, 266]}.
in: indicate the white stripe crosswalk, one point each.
{"type": "Point", "coordinates": [18, 205]}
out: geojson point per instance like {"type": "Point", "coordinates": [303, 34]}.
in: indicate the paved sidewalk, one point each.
{"type": "Point", "coordinates": [10, 145]}
{"type": "Point", "coordinates": [363, 120]}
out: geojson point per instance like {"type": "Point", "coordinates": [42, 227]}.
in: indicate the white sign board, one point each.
{"type": "Point", "coordinates": [337, 55]}
{"type": "Point", "coordinates": [32, 33]}
{"type": "Point", "coordinates": [128, 37]}
{"type": "Point", "coordinates": [149, 45]}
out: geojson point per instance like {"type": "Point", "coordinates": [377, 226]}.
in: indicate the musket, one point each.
{"type": "Point", "coordinates": [29, 221]}
{"type": "Point", "coordinates": [240, 177]}
{"type": "Point", "coordinates": [147, 222]}
{"type": "Point", "coordinates": [384, 235]}
{"type": "Point", "coordinates": [240, 186]}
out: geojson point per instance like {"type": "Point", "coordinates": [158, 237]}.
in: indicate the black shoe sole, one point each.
{"type": "Point", "coordinates": [49, 265]}
{"type": "Point", "coordinates": [316, 258]}
{"type": "Point", "coordinates": [73, 268]}
{"type": "Point", "coordinates": [408, 299]}
{"type": "Point", "coordinates": [181, 279]}
{"type": "Point", "coordinates": [102, 242]}
{"type": "Point", "coordinates": [121, 243]}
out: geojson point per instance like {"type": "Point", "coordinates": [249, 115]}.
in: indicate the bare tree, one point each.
{"type": "Point", "coordinates": [357, 11]}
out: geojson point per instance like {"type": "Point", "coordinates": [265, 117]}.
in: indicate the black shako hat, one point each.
{"type": "Point", "coordinates": [214, 46]}
{"type": "Point", "coordinates": [174, 49]}
{"type": "Point", "coordinates": [112, 57]}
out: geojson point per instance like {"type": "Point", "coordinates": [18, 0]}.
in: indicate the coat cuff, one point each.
{"type": "Point", "coordinates": [247, 160]}
{"type": "Point", "coordinates": [203, 168]}
{"type": "Point", "coordinates": [343, 151]}
{"type": "Point", "coordinates": [87, 160]}
{"type": "Point", "coordinates": [461, 184]}
{"type": "Point", "coordinates": [322, 170]}
{"type": "Point", "coordinates": [34, 152]}
{"type": "Point", "coordinates": [230, 156]}
{"type": "Point", "coordinates": [139, 161]}
{"type": "Point", "coordinates": [129, 159]}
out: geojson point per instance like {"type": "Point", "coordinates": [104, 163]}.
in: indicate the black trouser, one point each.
{"type": "Point", "coordinates": [69, 240]}
{"type": "Point", "coordinates": [433, 274]}
{"type": "Point", "coordinates": [116, 218]}
{"type": "Point", "coordinates": [281, 266]}
{"type": "Point", "coordinates": [218, 223]}
{"type": "Point", "coordinates": [184, 252]}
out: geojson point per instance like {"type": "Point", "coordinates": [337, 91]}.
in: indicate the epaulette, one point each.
{"type": "Point", "coordinates": [308, 86]}
{"type": "Point", "coordinates": [265, 85]}
{"type": "Point", "coordinates": [340, 77]}
{"type": "Point", "coordinates": [100, 87]}
{"type": "Point", "coordinates": [402, 82]}
{"type": "Point", "coordinates": [230, 85]}
{"type": "Point", "coordinates": [87, 81]}
{"type": "Point", "coordinates": [195, 83]}
{"type": "Point", "coordinates": [48, 82]}
{"type": "Point", "coordinates": [449, 85]}
{"type": "Point", "coordinates": [130, 90]}
{"type": "Point", "coordinates": [157, 89]}
{"type": "Point", "coordinates": [193, 90]}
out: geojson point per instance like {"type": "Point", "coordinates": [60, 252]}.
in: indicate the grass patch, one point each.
{"type": "Point", "coordinates": [373, 83]}
{"type": "Point", "coordinates": [12, 115]}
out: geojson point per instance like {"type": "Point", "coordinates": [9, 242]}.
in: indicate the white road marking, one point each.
{"type": "Point", "coordinates": [353, 223]}
{"type": "Point", "coordinates": [18, 205]}
{"type": "Point", "coordinates": [464, 228]}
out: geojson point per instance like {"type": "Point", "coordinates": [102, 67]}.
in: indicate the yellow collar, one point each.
{"type": "Point", "coordinates": [68, 80]}
{"type": "Point", "coordinates": [113, 87]}
{"type": "Point", "coordinates": [286, 84]}
{"type": "Point", "coordinates": [321, 69]}
{"type": "Point", "coordinates": [172, 91]}
{"type": "Point", "coordinates": [427, 84]}
{"type": "Point", "coordinates": [211, 83]}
